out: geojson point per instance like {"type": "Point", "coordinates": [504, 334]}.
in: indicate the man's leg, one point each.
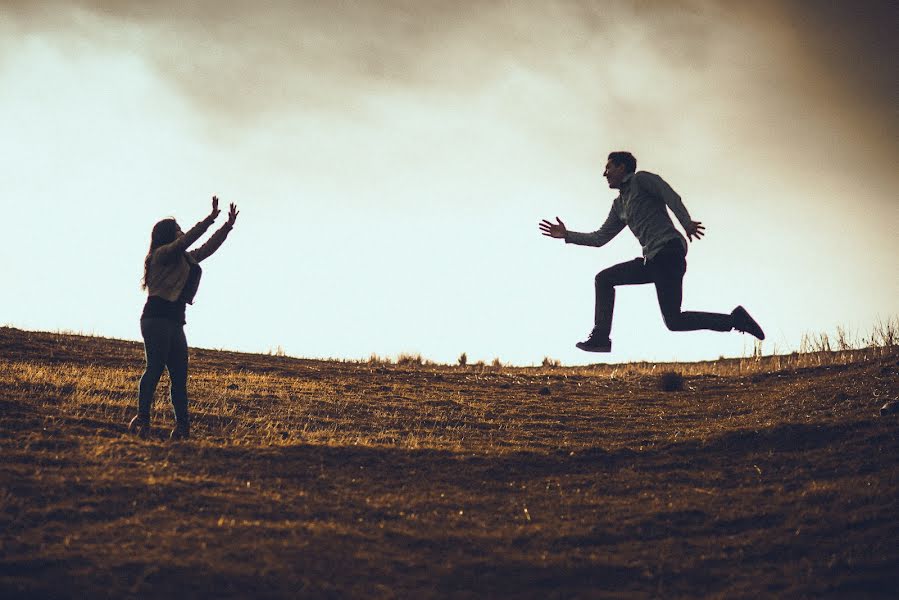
{"type": "Point", "coordinates": [627, 273]}
{"type": "Point", "coordinates": [668, 274]}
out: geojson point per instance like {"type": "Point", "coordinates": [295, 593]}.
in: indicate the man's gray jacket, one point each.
{"type": "Point", "coordinates": [641, 206]}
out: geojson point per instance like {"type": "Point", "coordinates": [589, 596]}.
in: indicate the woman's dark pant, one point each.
{"type": "Point", "coordinates": [666, 270]}
{"type": "Point", "coordinates": [166, 348]}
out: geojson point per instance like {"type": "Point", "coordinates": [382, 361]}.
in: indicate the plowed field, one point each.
{"type": "Point", "coordinates": [335, 479]}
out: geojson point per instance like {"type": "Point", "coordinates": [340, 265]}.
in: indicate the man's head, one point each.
{"type": "Point", "coordinates": [619, 166]}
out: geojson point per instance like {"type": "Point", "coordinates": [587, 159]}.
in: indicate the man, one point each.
{"type": "Point", "coordinates": [641, 206]}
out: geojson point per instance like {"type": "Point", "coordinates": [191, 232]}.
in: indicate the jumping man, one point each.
{"type": "Point", "coordinates": [641, 206]}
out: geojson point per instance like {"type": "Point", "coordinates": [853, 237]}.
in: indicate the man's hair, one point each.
{"type": "Point", "coordinates": [624, 158]}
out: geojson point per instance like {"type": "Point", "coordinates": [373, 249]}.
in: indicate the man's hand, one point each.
{"type": "Point", "coordinates": [555, 230]}
{"type": "Point", "coordinates": [232, 215]}
{"type": "Point", "coordinates": [215, 208]}
{"type": "Point", "coordinates": [696, 229]}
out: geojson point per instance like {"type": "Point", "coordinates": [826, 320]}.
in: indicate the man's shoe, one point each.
{"type": "Point", "coordinates": [140, 425]}
{"type": "Point", "coordinates": [180, 432]}
{"type": "Point", "coordinates": [890, 408]}
{"type": "Point", "coordinates": [594, 343]}
{"type": "Point", "coordinates": [743, 322]}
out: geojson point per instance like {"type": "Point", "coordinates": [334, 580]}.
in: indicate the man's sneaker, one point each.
{"type": "Point", "coordinates": [743, 322]}
{"type": "Point", "coordinates": [140, 425]}
{"type": "Point", "coordinates": [595, 343]}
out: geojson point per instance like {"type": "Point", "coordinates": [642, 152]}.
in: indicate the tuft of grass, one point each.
{"type": "Point", "coordinates": [671, 381]}
{"type": "Point", "coordinates": [375, 359]}
{"type": "Point", "coordinates": [409, 360]}
{"type": "Point", "coordinates": [551, 363]}
{"type": "Point", "coordinates": [811, 343]}
{"type": "Point", "coordinates": [885, 334]}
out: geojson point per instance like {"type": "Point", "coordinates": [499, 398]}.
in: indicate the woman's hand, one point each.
{"type": "Point", "coordinates": [215, 208]}
{"type": "Point", "coordinates": [232, 215]}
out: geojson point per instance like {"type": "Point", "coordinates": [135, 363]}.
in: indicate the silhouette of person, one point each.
{"type": "Point", "coordinates": [641, 205]}
{"type": "Point", "coordinates": [171, 278]}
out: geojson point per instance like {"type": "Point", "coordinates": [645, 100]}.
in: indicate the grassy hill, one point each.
{"type": "Point", "coordinates": [772, 477]}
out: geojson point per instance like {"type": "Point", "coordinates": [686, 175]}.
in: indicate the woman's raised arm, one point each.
{"type": "Point", "coordinates": [187, 239]}
{"type": "Point", "coordinates": [213, 243]}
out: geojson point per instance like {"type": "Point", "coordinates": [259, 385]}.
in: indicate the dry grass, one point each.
{"type": "Point", "coordinates": [764, 476]}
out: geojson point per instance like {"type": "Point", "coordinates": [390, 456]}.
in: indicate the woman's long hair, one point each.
{"type": "Point", "coordinates": [164, 232]}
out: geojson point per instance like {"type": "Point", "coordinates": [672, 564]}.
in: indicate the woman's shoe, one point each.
{"type": "Point", "coordinates": [140, 425]}
{"type": "Point", "coordinates": [180, 432]}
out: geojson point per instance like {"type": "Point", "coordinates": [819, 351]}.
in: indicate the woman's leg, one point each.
{"type": "Point", "coordinates": [177, 365]}
{"type": "Point", "coordinates": [156, 333]}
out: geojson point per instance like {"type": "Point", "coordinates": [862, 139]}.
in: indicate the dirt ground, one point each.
{"type": "Point", "coordinates": [329, 479]}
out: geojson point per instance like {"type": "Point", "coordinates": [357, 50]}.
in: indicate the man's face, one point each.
{"type": "Point", "coordinates": [614, 174]}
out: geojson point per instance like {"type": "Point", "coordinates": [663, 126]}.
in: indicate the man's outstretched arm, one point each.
{"type": "Point", "coordinates": [600, 237]}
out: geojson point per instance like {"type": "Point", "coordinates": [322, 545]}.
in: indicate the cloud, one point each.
{"type": "Point", "coordinates": [855, 42]}
{"type": "Point", "coordinates": [816, 71]}
{"type": "Point", "coordinates": [240, 57]}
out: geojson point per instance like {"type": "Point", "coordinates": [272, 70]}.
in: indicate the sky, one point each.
{"type": "Point", "coordinates": [391, 160]}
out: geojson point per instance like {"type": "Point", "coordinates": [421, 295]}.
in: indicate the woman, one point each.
{"type": "Point", "coordinates": [171, 277]}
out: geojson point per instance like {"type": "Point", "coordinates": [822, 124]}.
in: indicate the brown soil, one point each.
{"type": "Point", "coordinates": [327, 479]}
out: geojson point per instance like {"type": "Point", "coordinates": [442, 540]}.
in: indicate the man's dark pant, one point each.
{"type": "Point", "coordinates": [166, 348]}
{"type": "Point", "coordinates": [666, 270]}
